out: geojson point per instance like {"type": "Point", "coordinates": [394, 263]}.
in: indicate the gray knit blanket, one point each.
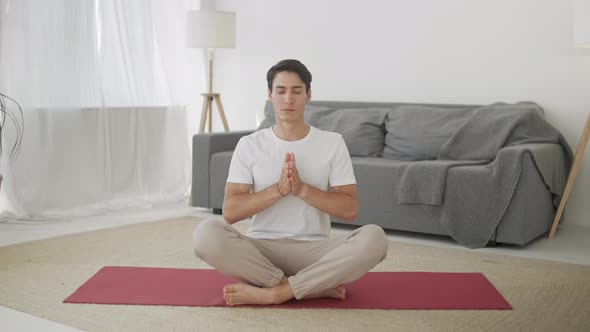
{"type": "Point", "coordinates": [469, 187]}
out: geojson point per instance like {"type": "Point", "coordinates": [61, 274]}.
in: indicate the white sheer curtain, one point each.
{"type": "Point", "coordinates": [109, 94]}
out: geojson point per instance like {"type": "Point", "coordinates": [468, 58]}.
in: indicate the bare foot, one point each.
{"type": "Point", "coordinates": [237, 294]}
{"type": "Point", "coordinates": [337, 293]}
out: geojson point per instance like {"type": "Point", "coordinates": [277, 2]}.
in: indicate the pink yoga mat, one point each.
{"type": "Point", "coordinates": [375, 290]}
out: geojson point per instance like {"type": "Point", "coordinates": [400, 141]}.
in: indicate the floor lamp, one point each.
{"type": "Point", "coordinates": [581, 40]}
{"type": "Point", "coordinates": [211, 30]}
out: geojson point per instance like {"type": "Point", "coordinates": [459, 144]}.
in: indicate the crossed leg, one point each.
{"type": "Point", "coordinates": [333, 263]}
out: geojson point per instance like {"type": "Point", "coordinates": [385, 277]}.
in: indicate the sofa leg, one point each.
{"type": "Point", "coordinates": [492, 242]}
{"type": "Point", "coordinates": [217, 211]}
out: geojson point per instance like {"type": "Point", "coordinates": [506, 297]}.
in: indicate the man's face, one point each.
{"type": "Point", "coordinates": [288, 96]}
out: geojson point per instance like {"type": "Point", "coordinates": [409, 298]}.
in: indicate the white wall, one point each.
{"type": "Point", "coordinates": [453, 51]}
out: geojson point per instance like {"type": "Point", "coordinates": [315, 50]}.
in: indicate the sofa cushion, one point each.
{"type": "Point", "coordinates": [416, 132]}
{"type": "Point", "coordinates": [363, 130]}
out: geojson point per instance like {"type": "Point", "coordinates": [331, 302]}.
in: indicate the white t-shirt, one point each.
{"type": "Point", "coordinates": [321, 158]}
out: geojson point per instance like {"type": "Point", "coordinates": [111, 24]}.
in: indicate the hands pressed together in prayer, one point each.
{"type": "Point", "coordinates": [289, 182]}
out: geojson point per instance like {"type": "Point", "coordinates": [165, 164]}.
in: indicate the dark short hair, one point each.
{"type": "Point", "coordinates": [290, 65]}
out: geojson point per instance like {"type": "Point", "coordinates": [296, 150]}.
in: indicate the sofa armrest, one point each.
{"type": "Point", "coordinates": [204, 146]}
{"type": "Point", "coordinates": [552, 162]}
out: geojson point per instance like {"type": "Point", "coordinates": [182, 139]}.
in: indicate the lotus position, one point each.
{"type": "Point", "coordinates": [289, 178]}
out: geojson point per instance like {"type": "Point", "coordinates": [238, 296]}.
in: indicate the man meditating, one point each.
{"type": "Point", "coordinates": [289, 178]}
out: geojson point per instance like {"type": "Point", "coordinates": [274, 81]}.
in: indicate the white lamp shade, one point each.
{"type": "Point", "coordinates": [582, 23]}
{"type": "Point", "coordinates": [210, 29]}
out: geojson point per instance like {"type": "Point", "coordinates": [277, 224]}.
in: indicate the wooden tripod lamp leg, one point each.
{"type": "Point", "coordinates": [573, 172]}
{"type": "Point", "coordinates": [204, 113]}
{"type": "Point", "coordinates": [221, 112]}
{"type": "Point", "coordinates": [210, 112]}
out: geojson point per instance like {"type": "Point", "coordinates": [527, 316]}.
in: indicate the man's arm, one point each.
{"type": "Point", "coordinates": [239, 203]}
{"type": "Point", "coordinates": [341, 202]}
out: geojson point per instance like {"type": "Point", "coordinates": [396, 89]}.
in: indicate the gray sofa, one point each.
{"type": "Point", "coordinates": [480, 174]}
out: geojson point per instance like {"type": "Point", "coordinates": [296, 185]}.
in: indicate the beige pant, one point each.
{"type": "Point", "coordinates": [311, 266]}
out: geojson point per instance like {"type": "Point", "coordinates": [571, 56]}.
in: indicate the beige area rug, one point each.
{"type": "Point", "coordinates": [36, 276]}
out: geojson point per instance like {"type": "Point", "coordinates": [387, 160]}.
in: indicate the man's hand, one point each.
{"type": "Point", "coordinates": [284, 186]}
{"type": "Point", "coordinates": [297, 186]}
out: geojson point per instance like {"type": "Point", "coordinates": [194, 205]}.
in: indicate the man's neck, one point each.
{"type": "Point", "coordinates": [291, 131]}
